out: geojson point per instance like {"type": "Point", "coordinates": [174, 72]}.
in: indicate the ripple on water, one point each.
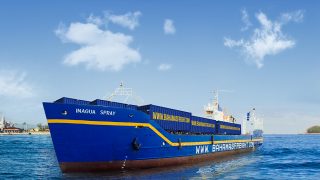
{"type": "Point", "coordinates": [280, 157]}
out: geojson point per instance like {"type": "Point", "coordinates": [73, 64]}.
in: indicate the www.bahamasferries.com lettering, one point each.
{"type": "Point", "coordinates": [203, 149]}
{"type": "Point", "coordinates": [231, 146]}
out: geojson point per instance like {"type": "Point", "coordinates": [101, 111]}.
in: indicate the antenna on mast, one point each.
{"type": "Point", "coordinates": [216, 95]}
{"type": "Point", "coordinates": [216, 98]}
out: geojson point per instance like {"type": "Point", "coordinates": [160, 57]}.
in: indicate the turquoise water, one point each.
{"type": "Point", "coordinates": [280, 157]}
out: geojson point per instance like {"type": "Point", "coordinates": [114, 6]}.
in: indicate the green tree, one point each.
{"type": "Point", "coordinates": [314, 129]}
{"type": "Point", "coordinates": [39, 125]}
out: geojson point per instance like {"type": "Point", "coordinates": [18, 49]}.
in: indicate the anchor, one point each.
{"type": "Point", "coordinates": [135, 144]}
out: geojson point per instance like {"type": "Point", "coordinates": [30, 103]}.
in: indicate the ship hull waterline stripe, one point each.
{"type": "Point", "coordinates": [133, 124]}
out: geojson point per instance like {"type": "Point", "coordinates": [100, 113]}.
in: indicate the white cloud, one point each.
{"type": "Point", "coordinates": [245, 20]}
{"type": "Point", "coordinates": [266, 40]}
{"type": "Point", "coordinates": [129, 20]}
{"type": "Point", "coordinates": [296, 16]}
{"type": "Point", "coordinates": [13, 84]}
{"type": "Point", "coordinates": [164, 67]}
{"type": "Point", "coordinates": [168, 27]}
{"type": "Point", "coordinates": [100, 48]}
{"type": "Point", "coordinates": [95, 20]}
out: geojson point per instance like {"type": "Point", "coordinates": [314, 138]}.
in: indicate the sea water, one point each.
{"type": "Point", "coordinates": [280, 157]}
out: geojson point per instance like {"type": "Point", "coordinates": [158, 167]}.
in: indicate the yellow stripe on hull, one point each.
{"type": "Point", "coordinates": [132, 124]}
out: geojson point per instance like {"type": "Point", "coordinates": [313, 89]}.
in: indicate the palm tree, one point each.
{"type": "Point", "coordinates": [24, 126]}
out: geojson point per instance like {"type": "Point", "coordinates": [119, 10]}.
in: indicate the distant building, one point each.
{"type": "Point", "coordinates": [7, 127]}
{"type": "Point", "coordinates": [12, 130]}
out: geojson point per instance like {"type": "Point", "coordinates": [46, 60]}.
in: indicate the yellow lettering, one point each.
{"type": "Point", "coordinates": [230, 127]}
{"type": "Point", "coordinates": [168, 117]}
{"type": "Point", "coordinates": [203, 124]}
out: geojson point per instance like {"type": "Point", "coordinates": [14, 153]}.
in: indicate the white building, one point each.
{"type": "Point", "coordinates": [2, 122]}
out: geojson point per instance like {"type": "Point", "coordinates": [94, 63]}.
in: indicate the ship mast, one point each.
{"type": "Point", "coordinates": [126, 92]}
{"type": "Point", "coordinates": [216, 100]}
{"type": "Point", "coordinates": [211, 110]}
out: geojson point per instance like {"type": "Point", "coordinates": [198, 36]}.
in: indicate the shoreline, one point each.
{"type": "Point", "coordinates": [26, 133]}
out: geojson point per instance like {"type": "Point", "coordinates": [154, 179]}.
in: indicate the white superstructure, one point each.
{"type": "Point", "coordinates": [252, 124]}
{"type": "Point", "coordinates": [214, 111]}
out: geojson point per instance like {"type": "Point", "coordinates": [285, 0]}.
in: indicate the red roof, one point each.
{"type": "Point", "coordinates": [11, 128]}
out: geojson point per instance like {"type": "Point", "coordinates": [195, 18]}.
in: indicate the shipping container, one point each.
{"type": "Point", "coordinates": [101, 102]}
{"type": "Point", "coordinates": [200, 125]}
{"type": "Point", "coordinates": [145, 108]}
{"type": "Point", "coordinates": [130, 106]}
{"type": "Point", "coordinates": [104, 103]}
{"type": "Point", "coordinates": [113, 104]}
{"type": "Point", "coordinates": [169, 119]}
{"type": "Point", "coordinates": [228, 128]}
{"type": "Point", "coordinates": [66, 100]}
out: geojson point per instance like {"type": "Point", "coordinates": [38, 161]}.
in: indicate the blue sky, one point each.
{"type": "Point", "coordinates": [266, 53]}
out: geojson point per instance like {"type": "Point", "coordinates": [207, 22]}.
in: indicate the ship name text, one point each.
{"type": "Point", "coordinates": [93, 112]}
{"type": "Point", "coordinates": [85, 111]}
{"type": "Point", "coordinates": [107, 113]}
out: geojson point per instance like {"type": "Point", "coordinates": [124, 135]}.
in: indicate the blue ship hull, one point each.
{"type": "Point", "coordinates": [98, 138]}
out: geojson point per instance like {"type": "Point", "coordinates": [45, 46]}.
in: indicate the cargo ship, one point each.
{"type": "Point", "coordinates": [103, 135]}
